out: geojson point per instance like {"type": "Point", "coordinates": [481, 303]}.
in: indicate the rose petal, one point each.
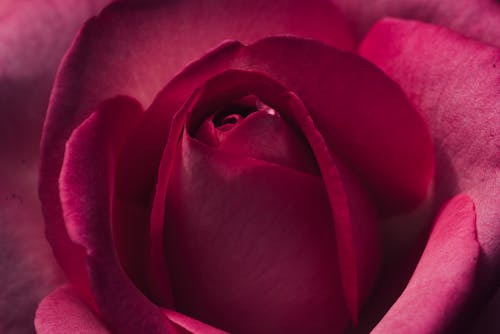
{"type": "Point", "coordinates": [454, 82]}
{"type": "Point", "coordinates": [33, 38]}
{"type": "Point", "coordinates": [86, 188]}
{"type": "Point", "coordinates": [444, 277]}
{"type": "Point", "coordinates": [354, 226]}
{"type": "Point", "coordinates": [282, 259]}
{"type": "Point", "coordinates": [130, 32]}
{"type": "Point", "coordinates": [458, 15]}
{"type": "Point", "coordinates": [64, 312]}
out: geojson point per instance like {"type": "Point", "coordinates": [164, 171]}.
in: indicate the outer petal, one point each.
{"type": "Point", "coordinates": [455, 83]}
{"type": "Point", "coordinates": [478, 19]}
{"type": "Point", "coordinates": [86, 185]}
{"type": "Point", "coordinates": [33, 38]}
{"type": "Point", "coordinates": [134, 48]}
{"type": "Point", "coordinates": [64, 312]}
{"type": "Point", "coordinates": [444, 277]}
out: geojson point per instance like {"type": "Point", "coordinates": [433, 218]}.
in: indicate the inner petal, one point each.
{"type": "Point", "coordinates": [250, 245]}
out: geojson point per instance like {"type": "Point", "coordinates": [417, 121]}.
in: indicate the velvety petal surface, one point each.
{"type": "Point", "coordinates": [478, 19]}
{"type": "Point", "coordinates": [134, 48]}
{"type": "Point", "coordinates": [86, 185]}
{"type": "Point", "coordinates": [444, 278]}
{"type": "Point", "coordinates": [63, 311]}
{"type": "Point", "coordinates": [33, 37]}
{"type": "Point", "coordinates": [454, 82]}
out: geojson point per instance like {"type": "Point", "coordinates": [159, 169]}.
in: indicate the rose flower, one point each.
{"type": "Point", "coordinates": [264, 167]}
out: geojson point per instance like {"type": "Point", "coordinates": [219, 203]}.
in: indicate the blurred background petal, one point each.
{"type": "Point", "coordinates": [33, 37]}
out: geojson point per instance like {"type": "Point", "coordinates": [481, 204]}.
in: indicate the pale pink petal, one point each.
{"type": "Point", "coordinates": [63, 312]}
{"type": "Point", "coordinates": [454, 82]}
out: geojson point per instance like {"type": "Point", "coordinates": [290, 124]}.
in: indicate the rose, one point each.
{"type": "Point", "coordinates": [105, 161]}
{"type": "Point", "coordinates": [431, 239]}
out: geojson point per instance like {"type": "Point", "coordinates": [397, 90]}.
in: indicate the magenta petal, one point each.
{"type": "Point", "coordinates": [478, 19]}
{"type": "Point", "coordinates": [444, 277]}
{"type": "Point", "coordinates": [63, 311]}
{"type": "Point", "coordinates": [454, 82]}
{"type": "Point", "coordinates": [86, 188]}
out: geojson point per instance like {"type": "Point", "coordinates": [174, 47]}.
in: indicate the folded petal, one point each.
{"type": "Point", "coordinates": [454, 82]}
{"type": "Point", "coordinates": [444, 277]}
{"type": "Point", "coordinates": [458, 15]}
{"type": "Point", "coordinates": [87, 188]}
{"type": "Point", "coordinates": [63, 311]}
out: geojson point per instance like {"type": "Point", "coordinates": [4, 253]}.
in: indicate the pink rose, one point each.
{"type": "Point", "coordinates": [279, 167]}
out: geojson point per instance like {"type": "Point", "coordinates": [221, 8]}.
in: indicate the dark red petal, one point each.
{"type": "Point", "coordinates": [444, 277]}
{"type": "Point", "coordinates": [86, 188]}
{"type": "Point", "coordinates": [251, 245]}
{"type": "Point", "coordinates": [364, 117]}
{"type": "Point", "coordinates": [454, 82]}
{"type": "Point", "coordinates": [478, 19]}
{"type": "Point", "coordinates": [63, 311]}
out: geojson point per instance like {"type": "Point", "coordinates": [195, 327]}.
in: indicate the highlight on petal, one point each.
{"type": "Point", "coordinates": [86, 187]}
{"type": "Point", "coordinates": [63, 311]}
{"type": "Point", "coordinates": [454, 83]}
{"type": "Point", "coordinates": [478, 19]}
{"type": "Point", "coordinates": [444, 277]}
